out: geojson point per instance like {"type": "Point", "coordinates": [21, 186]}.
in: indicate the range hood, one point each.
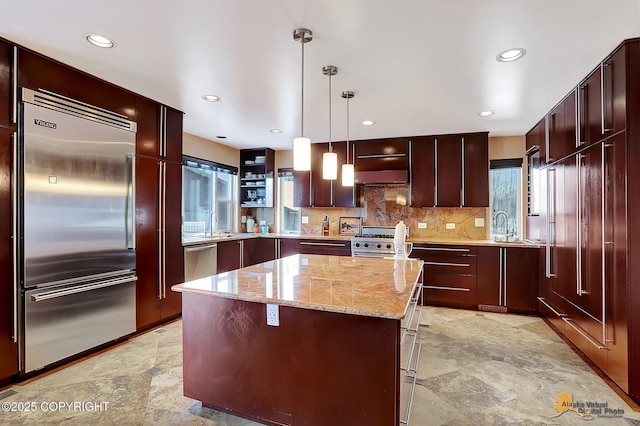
{"type": "Point", "coordinates": [383, 161]}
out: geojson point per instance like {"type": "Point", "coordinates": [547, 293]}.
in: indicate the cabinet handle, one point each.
{"type": "Point", "coordinates": [463, 177]}
{"type": "Point", "coordinates": [578, 116]}
{"type": "Point", "coordinates": [435, 172]}
{"type": "Point", "coordinates": [579, 158]}
{"type": "Point", "coordinates": [556, 313]}
{"type": "Point", "coordinates": [14, 86]}
{"type": "Point", "coordinates": [463, 250]}
{"type": "Point", "coordinates": [546, 136]}
{"type": "Point", "coordinates": [435, 287]}
{"type": "Point", "coordinates": [603, 120]}
{"type": "Point", "coordinates": [305, 243]}
{"type": "Point", "coordinates": [569, 321]}
{"type": "Point", "coordinates": [368, 156]}
{"type": "Point", "coordinates": [160, 229]}
{"type": "Point", "coordinates": [504, 273]}
{"type": "Point", "coordinates": [550, 212]}
{"type": "Point", "coordinates": [462, 265]}
{"type": "Point", "coordinates": [500, 281]}
{"type": "Point", "coordinates": [14, 235]}
{"type": "Point", "coordinates": [410, 172]}
{"type": "Point", "coordinates": [241, 242]}
{"type": "Point", "coordinates": [164, 230]}
{"type": "Point", "coordinates": [604, 238]}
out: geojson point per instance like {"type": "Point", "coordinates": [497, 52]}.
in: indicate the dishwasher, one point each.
{"type": "Point", "coordinates": [200, 261]}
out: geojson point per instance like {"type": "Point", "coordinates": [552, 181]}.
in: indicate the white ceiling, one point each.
{"type": "Point", "coordinates": [417, 66]}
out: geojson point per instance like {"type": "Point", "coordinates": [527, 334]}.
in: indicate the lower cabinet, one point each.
{"type": "Point", "coordinates": [258, 250]}
{"type": "Point", "coordinates": [506, 278]}
{"type": "Point", "coordinates": [449, 274]}
{"type": "Point", "coordinates": [287, 246]}
{"type": "Point", "coordinates": [229, 255]}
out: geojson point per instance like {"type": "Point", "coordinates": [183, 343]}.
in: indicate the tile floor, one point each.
{"type": "Point", "coordinates": [475, 369]}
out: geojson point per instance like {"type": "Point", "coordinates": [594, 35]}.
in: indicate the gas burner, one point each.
{"type": "Point", "coordinates": [373, 241]}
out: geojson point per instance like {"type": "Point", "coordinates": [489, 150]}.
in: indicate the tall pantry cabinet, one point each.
{"type": "Point", "coordinates": [8, 296]}
{"type": "Point", "coordinates": [590, 278]}
{"type": "Point", "coordinates": [159, 255]}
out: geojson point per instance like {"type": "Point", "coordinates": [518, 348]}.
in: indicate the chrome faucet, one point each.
{"type": "Point", "coordinates": [506, 222]}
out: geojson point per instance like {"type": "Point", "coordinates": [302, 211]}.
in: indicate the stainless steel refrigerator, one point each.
{"type": "Point", "coordinates": [75, 215]}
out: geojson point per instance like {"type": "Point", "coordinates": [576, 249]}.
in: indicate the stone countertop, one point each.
{"type": "Point", "coordinates": [189, 241]}
{"type": "Point", "coordinates": [352, 285]}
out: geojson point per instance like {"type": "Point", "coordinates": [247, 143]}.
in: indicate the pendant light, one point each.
{"type": "Point", "coordinates": [347, 168]}
{"type": "Point", "coordinates": [302, 145]}
{"type": "Point", "coordinates": [330, 159]}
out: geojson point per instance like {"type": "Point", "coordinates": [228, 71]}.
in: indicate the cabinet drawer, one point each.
{"type": "Point", "coordinates": [461, 265]}
{"type": "Point", "coordinates": [330, 247]}
{"type": "Point", "coordinates": [450, 289]}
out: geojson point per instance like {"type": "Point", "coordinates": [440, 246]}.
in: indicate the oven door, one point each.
{"type": "Point", "coordinates": [66, 320]}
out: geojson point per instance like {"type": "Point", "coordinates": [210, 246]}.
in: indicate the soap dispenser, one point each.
{"type": "Point", "coordinates": [325, 225]}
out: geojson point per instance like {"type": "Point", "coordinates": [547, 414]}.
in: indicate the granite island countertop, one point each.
{"type": "Point", "coordinates": [352, 285]}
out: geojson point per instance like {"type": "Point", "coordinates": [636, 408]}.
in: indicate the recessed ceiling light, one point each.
{"type": "Point", "coordinates": [211, 98]}
{"type": "Point", "coordinates": [368, 123]}
{"type": "Point", "coordinates": [99, 40]}
{"type": "Point", "coordinates": [275, 131]}
{"type": "Point", "coordinates": [511, 55]}
{"type": "Point", "coordinates": [486, 113]}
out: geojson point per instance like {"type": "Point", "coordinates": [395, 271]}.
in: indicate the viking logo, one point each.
{"type": "Point", "coordinates": [43, 123]}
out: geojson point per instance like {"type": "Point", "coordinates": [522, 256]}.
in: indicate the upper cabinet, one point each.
{"type": "Point", "coordinates": [475, 169]}
{"type": "Point", "coordinates": [7, 98]}
{"type": "Point", "coordinates": [257, 177]}
{"type": "Point", "coordinates": [422, 176]}
{"type": "Point", "coordinates": [40, 73]}
{"type": "Point", "coordinates": [448, 171]}
{"type": "Point", "coordinates": [562, 128]}
{"type": "Point", "coordinates": [381, 160]}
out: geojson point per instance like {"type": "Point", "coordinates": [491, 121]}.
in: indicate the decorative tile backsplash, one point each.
{"type": "Point", "coordinates": [386, 205]}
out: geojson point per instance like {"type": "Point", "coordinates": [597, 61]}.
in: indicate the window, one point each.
{"type": "Point", "coordinates": [289, 220]}
{"type": "Point", "coordinates": [505, 181]}
{"type": "Point", "coordinates": [208, 196]}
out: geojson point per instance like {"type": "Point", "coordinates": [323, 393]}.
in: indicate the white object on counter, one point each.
{"type": "Point", "coordinates": [401, 248]}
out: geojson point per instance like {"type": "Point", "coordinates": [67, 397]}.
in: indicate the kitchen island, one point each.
{"type": "Point", "coordinates": [343, 352]}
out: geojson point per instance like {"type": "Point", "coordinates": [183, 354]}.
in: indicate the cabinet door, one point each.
{"type": "Point", "coordinates": [173, 135]}
{"type": "Point", "coordinates": [301, 188]}
{"type": "Point", "coordinates": [475, 191]}
{"type": "Point", "coordinates": [8, 348]}
{"type": "Point", "coordinates": [562, 128]}
{"type": "Point", "coordinates": [148, 134]}
{"type": "Point", "coordinates": [228, 255]}
{"type": "Point", "coordinates": [614, 80]}
{"type": "Point", "coordinates": [6, 86]}
{"type": "Point", "coordinates": [174, 257]}
{"type": "Point", "coordinates": [381, 154]}
{"type": "Point", "coordinates": [38, 72]}
{"type": "Point", "coordinates": [590, 109]}
{"type": "Point", "coordinates": [422, 169]}
{"type": "Point", "coordinates": [147, 241]}
{"type": "Point", "coordinates": [330, 247]}
{"type": "Point", "coordinates": [489, 279]}
{"type": "Point", "coordinates": [517, 283]}
{"type": "Point", "coordinates": [288, 246]}
{"type": "Point", "coordinates": [343, 196]}
{"type": "Point", "coordinates": [536, 140]}
{"type": "Point", "coordinates": [448, 171]}
{"type": "Point", "coordinates": [321, 188]}
{"type": "Point", "coordinates": [258, 250]}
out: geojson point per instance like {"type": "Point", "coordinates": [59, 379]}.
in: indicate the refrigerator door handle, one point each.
{"type": "Point", "coordinates": [80, 289]}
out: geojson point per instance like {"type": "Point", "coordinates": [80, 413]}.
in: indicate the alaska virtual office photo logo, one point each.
{"type": "Point", "coordinates": [588, 410]}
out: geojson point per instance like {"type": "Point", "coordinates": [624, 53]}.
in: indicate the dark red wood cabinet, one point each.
{"type": "Point", "coordinates": [288, 246]}
{"type": "Point", "coordinates": [475, 167]}
{"type": "Point", "coordinates": [8, 317]}
{"type": "Point", "coordinates": [450, 274]}
{"type": "Point", "coordinates": [590, 124]}
{"type": "Point", "coordinates": [562, 128]}
{"type": "Point", "coordinates": [344, 196]}
{"type": "Point", "coordinates": [422, 178]}
{"type": "Point", "coordinates": [7, 103]}
{"type": "Point", "coordinates": [38, 72]}
{"type": "Point", "coordinates": [159, 252]}
{"type": "Point", "coordinates": [381, 160]}
{"type": "Point", "coordinates": [321, 195]}
{"type": "Point", "coordinates": [324, 246]}
{"type": "Point", "coordinates": [228, 255]}
{"type": "Point", "coordinates": [507, 278]}
{"type": "Point", "coordinates": [258, 250]}
{"type": "Point", "coordinates": [448, 171]}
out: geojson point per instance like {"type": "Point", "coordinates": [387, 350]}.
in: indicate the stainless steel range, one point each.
{"type": "Point", "coordinates": [374, 241]}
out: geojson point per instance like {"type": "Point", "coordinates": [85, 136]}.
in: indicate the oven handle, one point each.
{"type": "Point", "coordinates": [80, 289]}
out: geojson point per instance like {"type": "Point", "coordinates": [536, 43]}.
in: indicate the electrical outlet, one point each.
{"type": "Point", "coordinates": [243, 219]}
{"type": "Point", "coordinates": [273, 315]}
{"type": "Point", "coordinates": [305, 219]}
{"type": "Point", "coordinates": [422, 225]}
{"type": "Point", "coordinates": [479, 222]}
{"type": "Point", "coordinates": [450, 226]}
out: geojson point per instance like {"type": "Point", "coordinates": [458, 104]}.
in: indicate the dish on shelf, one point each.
{"type": "Point", "coordinates": [249, 162]}
{"type": "Point", "coordinates": [260, 182]}
{"type": "Point", "coordinates": [250, 183]}
{"type": "Point", "coordinates": [260, 159]}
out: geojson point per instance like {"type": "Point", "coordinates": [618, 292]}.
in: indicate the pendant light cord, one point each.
{"type": "Point", "coordinates": [302, 94]}
{"type": "Point", "coordinates": [330, 146]}
{"type": "Point", "coordinates": [347, 130]}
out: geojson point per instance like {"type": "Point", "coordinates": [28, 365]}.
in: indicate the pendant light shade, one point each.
{"type": "Point", "coordinates": [330, 159]}
{"type": "Point", "coordinates": [330, 166]}
{"type": "Point", "coordinates": [348, 172]}
{"type": "Point", "coordinates": [302, 145]}
{"type": "Point", "coordinates": [302, 154]}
